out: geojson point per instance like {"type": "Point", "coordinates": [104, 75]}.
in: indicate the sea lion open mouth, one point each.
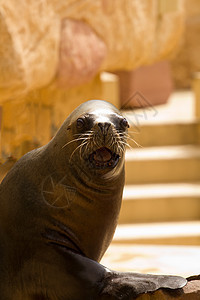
{"type": "Point", "coordinates": [103, 158]}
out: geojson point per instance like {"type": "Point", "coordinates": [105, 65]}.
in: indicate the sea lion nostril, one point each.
{"type": "Point", "coordinates": [104, 127]}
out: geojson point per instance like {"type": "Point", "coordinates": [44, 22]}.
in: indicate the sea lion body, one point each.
{"type": "Point", "coordinates": [59, 207]}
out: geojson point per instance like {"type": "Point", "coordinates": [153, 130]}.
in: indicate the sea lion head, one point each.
{"type": "Point", "coordinates": [94, 137]}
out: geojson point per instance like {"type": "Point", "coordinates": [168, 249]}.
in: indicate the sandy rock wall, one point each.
{"type": "Point", "coordinates": [187, 60]}
{"type": "Point", "coordinates": [38, 40]}
{"type": "Point", "coordinates": [29, 42]}
{"type": "Point", "coordinates": [135, 32]}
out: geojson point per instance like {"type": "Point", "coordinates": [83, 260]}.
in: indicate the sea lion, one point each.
{"type": "Point", "coordinates": [59, 207]}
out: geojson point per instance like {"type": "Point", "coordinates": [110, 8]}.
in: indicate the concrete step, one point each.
{"type": "Point", "coordinates": [164, 134]}
{"type": "Point", "coordinates": [172, 123]}
{"type": "Point", "coordinates": [154, 259]}
{"type": "Point", "coordinates": [177, 233]}
{"type": "Point", "coordinates": [163, 164]}
{"type": "Point", "coordinates": [160, 202]}
{"type": "Point", "coordinates": [179, 108]}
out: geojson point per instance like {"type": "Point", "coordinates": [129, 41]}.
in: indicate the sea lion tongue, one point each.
{"type": "Point", "coordinates": [102, 155]}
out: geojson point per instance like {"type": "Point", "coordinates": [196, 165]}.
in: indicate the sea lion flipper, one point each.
{"type": "Point", "coordinates": [99, 282]}
{"type": "Point", "coordinates": [125, 286]}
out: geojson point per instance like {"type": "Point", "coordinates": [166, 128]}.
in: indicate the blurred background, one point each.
{"type": "Point", "coordinates": [142, 56]}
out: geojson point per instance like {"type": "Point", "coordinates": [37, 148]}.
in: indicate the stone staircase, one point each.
{"type": "Point", "coordinates": [161, 200]}
{"type": "Point", "coordinates": [163, 184]}
{"type": "Point", "coordinates": [163, 176]}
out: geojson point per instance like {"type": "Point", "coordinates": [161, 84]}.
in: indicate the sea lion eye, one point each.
{"type": "Point", "coordinates": [124, 123]}
{"type": "Point", "coordinates": [80, 123]}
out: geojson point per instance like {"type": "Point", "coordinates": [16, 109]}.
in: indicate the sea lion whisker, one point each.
{"type": "Point", "coordinates": [124, 143]}
{"type": "Point", "coordinates": [127, 144]}
{"type": "Point", "coordinates": [86, 148]}
{"type": "Point", "coordinates": [84, 142]}
{"type": "Point", "coordinates": [121, 138]}
{"type": "Point", "coordinates": [130, 147]}
{"type": "Point", "coordinates": [96, 143]}
{"type": "Point", "coordinates": [119, 147]}
{"type": "Point", "coordinates": [86, 145]}
{"type": "Point", "coordinates": [134, 141]}
{"type": "Point", "coordinates": [116, 145]}
{"type": "Point", "coordinates": [116, 139]}
{"type": "Point", "coordinates": [85, 133]}
{"type": "Point", "coordinates": [120, 151]}
{"type": "Point", "coordinates": [120, 142]}
{"type": "Point", "coordinates": [122, 133]}
{"type": "Point", "coordinates": [128, 136]}
{"type": "Point", "coordinates": [111, 141]}
{"type": "Point", "coordinates": [122, 148]}
{"type": "Point", "coordinates": [75, 140]}
{"type": "Point", "coordinates": [81, 148]}
{"type": "Point", "coordinates": [124, 138]}
{"type": "Point", "coordinates": [135, 132]}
